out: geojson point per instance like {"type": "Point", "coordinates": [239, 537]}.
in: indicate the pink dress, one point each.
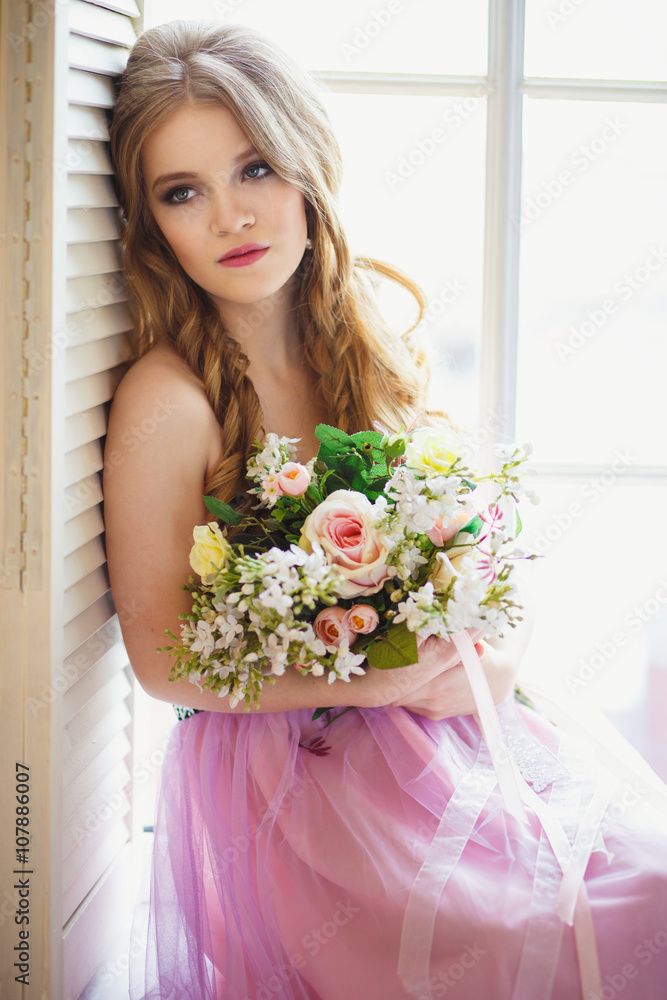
{"type": "Point", "coordinates": [379, 862]}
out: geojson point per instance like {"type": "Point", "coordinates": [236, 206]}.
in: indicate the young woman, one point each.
{"type": "Point", "coordinates": [388, 867]}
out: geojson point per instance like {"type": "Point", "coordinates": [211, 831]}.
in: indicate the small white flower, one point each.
{"type": "Point", "coordinates": [204, 643]}
{"type": "Point", "coordinates": [274, 597]}
{"type": "Point", "coordinates": [409, 561]}
{"type": "Point", "coordinates": [229, 627]}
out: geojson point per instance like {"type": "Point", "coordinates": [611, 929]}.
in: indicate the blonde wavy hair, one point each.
{"type": "Point", "coordinates": [364, 371]}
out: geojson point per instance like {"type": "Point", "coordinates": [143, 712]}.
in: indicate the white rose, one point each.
{"type": "Point", "coordinates": [448, 565]}
{"type": "Point", "coordinates": [433, 450]}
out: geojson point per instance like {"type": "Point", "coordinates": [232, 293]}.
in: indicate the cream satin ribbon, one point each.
{"type": "Point", "coordinates": [490, 726]}
{"type": "Point", "coordinates": [453, 833]}
{"type": "Point", "coordinates": [459, 818]}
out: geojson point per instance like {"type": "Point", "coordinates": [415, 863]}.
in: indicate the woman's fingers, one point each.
{"type": "Point", "coordinates": [449, 693]}
{"type": "Point", "coordinates": [437, 685]}
{"type": "Point", "coordinates": [390, 686]}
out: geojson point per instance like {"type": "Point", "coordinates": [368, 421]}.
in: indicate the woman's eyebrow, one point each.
{"type": "Point", "coordinates": [183, 175]}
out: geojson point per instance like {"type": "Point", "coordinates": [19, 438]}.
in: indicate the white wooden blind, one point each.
{"type": "Point", "coordinates": [97, 700]}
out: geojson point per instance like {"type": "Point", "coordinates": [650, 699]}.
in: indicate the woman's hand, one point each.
{"type": "Point", "coordinates": [448, 693]}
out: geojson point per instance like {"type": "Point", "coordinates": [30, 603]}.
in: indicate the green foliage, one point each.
{"type": "Point", "coordinates": [475, 526]}
{"type": "Point", "coordinates": [397, 647]}
{"type": "Point", "coordinates": [223, 511]}
{"type": "Point", "coordinates": [353, 461]}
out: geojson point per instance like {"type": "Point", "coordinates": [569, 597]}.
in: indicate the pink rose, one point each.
{"type": "Point", "coordinates": [361, 618]}
{"type": "Point", "coordinates": [445, 528]}
{"type": "Point", "coordinates": [343, 525]}
{"type": "Point", "coordinates": [293, 479]}
{"type": "Point", "coordinates": [330, 627]}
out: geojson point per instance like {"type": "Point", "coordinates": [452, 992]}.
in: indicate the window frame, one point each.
{"type": "Point", "coordinates": [505, 86]}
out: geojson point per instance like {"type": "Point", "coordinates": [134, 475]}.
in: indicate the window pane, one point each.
{"type": "Point", "coordinates": [597, 39]}
{"type": "Point", "coordinates": [601, 626]}
{"type": "Point", "coordinates": [381, 36]}
{"type": "Point", "coordinates": [593, 344]}
{"type": "Point", "coordinates": [413, 194]}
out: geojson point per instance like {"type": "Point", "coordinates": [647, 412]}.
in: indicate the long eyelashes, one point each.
{"type": "Point", "coordinates": [253, 172]}
{"type": "Point", "coordinates": [260, 165]}
{"type": "Point", "coordinates": [171, 199]}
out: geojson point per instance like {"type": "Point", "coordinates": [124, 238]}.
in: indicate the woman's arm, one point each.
{"type": "Point", "coordinates": [160, 444]}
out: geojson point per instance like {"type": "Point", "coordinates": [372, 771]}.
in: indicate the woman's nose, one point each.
{"type": "Point", "coordinates": [230, 211]}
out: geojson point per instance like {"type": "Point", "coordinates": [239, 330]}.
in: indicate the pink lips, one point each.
{"type": "Point", "coordinates": [243, 255]}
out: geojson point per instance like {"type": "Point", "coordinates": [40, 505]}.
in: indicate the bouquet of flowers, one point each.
{"type": "Point", "coordinates": [380, 540]}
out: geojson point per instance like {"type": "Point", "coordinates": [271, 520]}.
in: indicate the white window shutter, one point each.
{"type": "Point", "coordinates": [96, 706]}
{"type": "Point", "coordinates": [66, 686]}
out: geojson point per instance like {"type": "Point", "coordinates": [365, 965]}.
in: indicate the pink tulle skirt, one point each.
{"type": "Point", "coordinates": [346, 868]}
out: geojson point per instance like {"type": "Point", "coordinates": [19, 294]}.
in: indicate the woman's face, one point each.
{"type": "Point", "coordinates": [212, 195]}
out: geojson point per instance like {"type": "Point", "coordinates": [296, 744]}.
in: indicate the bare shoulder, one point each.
{"type": "Point", "coordinates": [160, 393]}
{"type": "Point", "coordinates": [157, 373]}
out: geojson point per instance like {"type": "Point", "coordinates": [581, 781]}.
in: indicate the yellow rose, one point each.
{"type": "Point", "coordinates": [432, 450]}
{"type": "Point", "coordinates": [446, 568]}
{"type": "Point", "coordinates": [211, 549]}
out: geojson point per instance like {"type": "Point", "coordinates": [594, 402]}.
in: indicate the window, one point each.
{"type": "Point", "coordinates": [516, 171]}
{"type": "Point", "coordinates": [531, 207]}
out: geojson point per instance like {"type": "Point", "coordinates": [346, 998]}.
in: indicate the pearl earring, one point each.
{"type": "Point", "coordinates": [309, 244]}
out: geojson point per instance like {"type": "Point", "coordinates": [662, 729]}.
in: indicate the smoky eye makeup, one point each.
{"type": "Point", "coordinates": [169, 197]}
{"type": "Point", "coordinates": [256, 170]}
{"type": "Point", "coordinates": [258, 165]}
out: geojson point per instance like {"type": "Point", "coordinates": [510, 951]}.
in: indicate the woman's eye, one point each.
{"type": "Point", "coordinates": [256, 170]}
{"type": "Point", "coordinates": [178, 195]}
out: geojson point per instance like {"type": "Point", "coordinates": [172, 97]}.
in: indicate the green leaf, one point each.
{"type": "Point", "coordinates": [333, 482]}
{"type": "Point", "coordinates": [519, 524]}
{"type": "Point", "coordinates": [369, 444]}
{"type": "Point", "coordinates": [396, 449]}
{"type": "Point", "coordinates": [475, 526]}
{"type": "Point", "coordinates": [332, 438]}
{"type": "Point", "coordinates": [223, 511]}
{"type": "Point", "coordinates": [318, 712]}
{"type": "Point", "coordinates": [368, 437]}
{"type": "Point", "coordinates": [397, 647]}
